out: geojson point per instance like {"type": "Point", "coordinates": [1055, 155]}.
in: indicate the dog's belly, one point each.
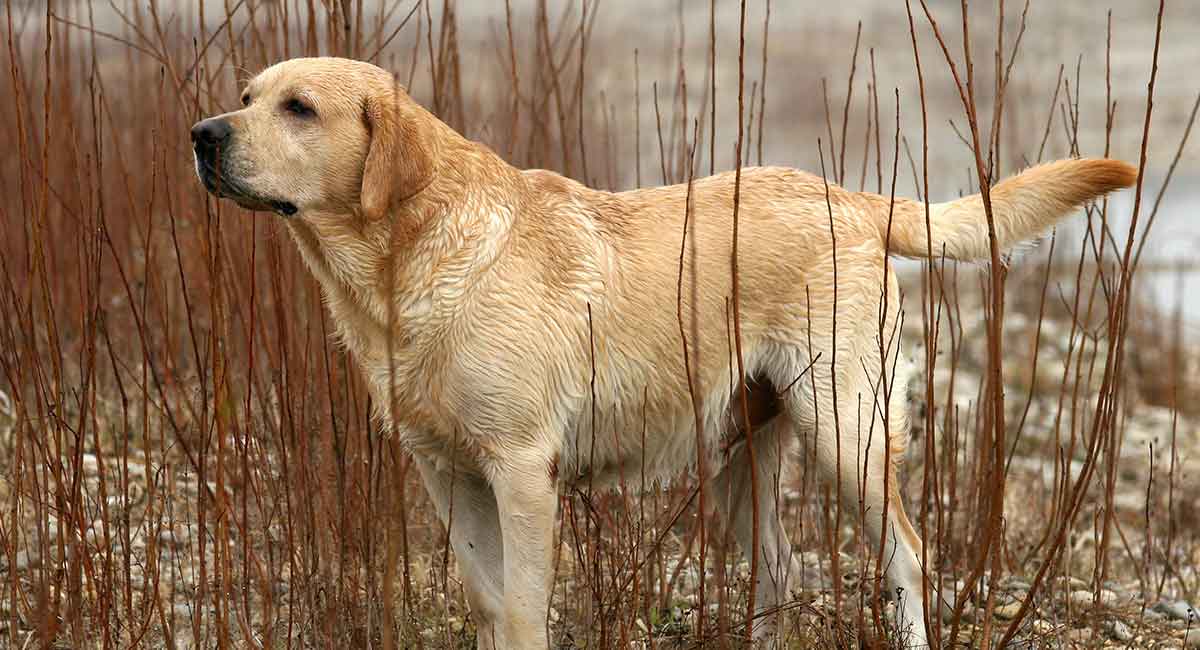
{"type": "Point", "coordinates": [636, 446]}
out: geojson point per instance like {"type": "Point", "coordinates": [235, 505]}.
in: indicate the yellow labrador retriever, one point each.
{"type": "Point", "coordinates": [532, 331]}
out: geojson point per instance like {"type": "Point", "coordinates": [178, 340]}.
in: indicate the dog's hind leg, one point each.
{"type": "Point", "coordinates": [730, 492]}
{"type": "Point", "coordinates": [467, 508]}
{"type": "Point", "coordinates": [842, 409]}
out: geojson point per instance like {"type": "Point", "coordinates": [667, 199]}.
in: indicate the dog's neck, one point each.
{"type": "Point", "coordinates": [428, 252]}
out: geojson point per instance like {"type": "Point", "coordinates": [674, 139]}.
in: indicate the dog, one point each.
{"type": "Point", "coordinates": [522, 333]}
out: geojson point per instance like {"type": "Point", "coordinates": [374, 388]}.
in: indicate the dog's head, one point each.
{"type": "Point", "coordinates": [318, 134]}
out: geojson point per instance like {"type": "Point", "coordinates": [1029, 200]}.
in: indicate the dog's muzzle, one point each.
{"type": "Point", "coordinates": [211, 139]}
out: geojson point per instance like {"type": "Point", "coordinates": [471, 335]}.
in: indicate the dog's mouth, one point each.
{"type": "Point", "coordinates": [227, 186]}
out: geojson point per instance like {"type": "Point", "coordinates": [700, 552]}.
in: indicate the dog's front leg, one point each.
{"type": "Point", "coordinates": [467, 508]}
{"type": "Point", "coordinates": [527, 499]}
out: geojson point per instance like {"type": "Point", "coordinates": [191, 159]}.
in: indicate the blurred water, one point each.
{"type": "Point", "coordinates": [1174, 241]}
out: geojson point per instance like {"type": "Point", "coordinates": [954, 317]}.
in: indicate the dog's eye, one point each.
{"type": "Point", "coordinates": [297, 107]}
{"type": "Point", "coordinates": [246, 99]}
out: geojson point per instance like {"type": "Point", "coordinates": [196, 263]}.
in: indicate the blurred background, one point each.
{"type": "Point", "coordinates": [1069, 65]}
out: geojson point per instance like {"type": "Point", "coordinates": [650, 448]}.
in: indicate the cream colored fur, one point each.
{"type": "Point", "coordinates": [483, 276]}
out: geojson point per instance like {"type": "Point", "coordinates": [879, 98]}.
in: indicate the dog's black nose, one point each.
{"type": "Point", "coordinates": [211, 132]}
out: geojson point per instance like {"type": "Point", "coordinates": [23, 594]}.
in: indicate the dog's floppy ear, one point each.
{"type": "Point", "coordinates": [399, 158]}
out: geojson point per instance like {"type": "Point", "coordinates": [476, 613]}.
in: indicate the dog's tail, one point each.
{"type": "Point", "coordinates": [1023, 207]}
